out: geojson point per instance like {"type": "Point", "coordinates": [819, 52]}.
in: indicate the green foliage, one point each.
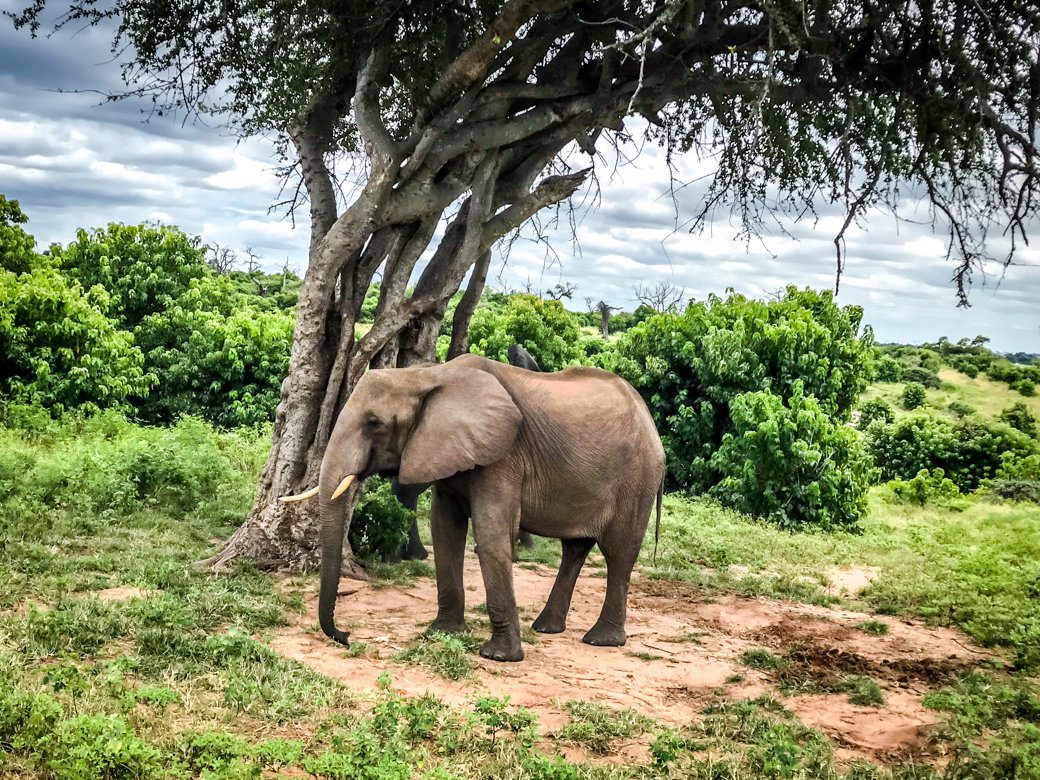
{"type": "Point", "coordinates": [863, 691]}
{"type": "Point", "coordinates": [547, 330]}
{"type": "Point", "coordinates": [1026, 387]}
{"type": "Point", "coordinates": [59, 350]}
{"type": "Point", "coordinates": [761, 659]}
{"type": "Point", "coordinates": [100, 747]}
{"type": "Point", "coordinates": [227, 368]}
{"type": "Point", "coordinates": [1021, 418]}
{"type": "Point", "coordinates": [380, 523]}
{"type": "Point", "coordinates": [790, 463]}
{"type": "Point", "coordinates": [967, 451]}
{"type": "Point", "coordinates": [875, 409]}
{"type": "Point", "coordinates": [873, 627]}
{"type": "Point", "coordinates": [960, 409]}
{"type": "Point", "coordinates": [888, 369]}
{"type": "Point", "coordinates": [913, 396]}
{"type": "Point", "coordinates": [17, 248]}
{"type": "Point", "coordinates": [692, 368]}
{"type": "Point", "coordinates": [447, 655]}
{"type": "Point", "coordinates": [925, 487]}
{"type": "Point", "coordinates": [926, 377]}
{"type": "Point", "coordinates": [144, 268]}
{"type": "Point", "coordinates": [595, 727]}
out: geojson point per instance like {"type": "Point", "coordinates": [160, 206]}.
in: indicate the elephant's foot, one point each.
{"type": "Point", "coordinates": [549, 623]}
{"type": "Point", "coordinates": [605, 635]}
{"type": "Point", "coordinates": [503, 648]}
{"type": "Point", "coordinates": [447, 626]}
{"type": "Point", "coordinates": [414, 552]}
{"type": "Point", "coordinates": [525, 539]}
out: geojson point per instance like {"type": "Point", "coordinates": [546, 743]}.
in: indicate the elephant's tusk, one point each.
{"type": "Point", "coordinates": [300, 497]}
{"type": "Point", "coordinates": [344, 485]}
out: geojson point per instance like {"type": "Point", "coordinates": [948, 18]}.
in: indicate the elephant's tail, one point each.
{"type": "Point", "coordinates": [657, 525]}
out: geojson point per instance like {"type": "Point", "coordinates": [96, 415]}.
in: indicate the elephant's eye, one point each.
{"type": "Point", "coordinates": [373, 424]}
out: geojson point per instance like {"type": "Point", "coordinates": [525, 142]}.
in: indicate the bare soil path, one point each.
{"type": "Point", "coordinates": [688, 645]}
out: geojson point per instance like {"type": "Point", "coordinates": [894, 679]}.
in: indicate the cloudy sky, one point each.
{"type": "Point", "coordinates": [73, 162]}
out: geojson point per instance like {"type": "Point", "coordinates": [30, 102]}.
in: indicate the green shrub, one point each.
{"type": "Point", "coordinates": [960, 409]}
{"type": "Point", "coordinates": [873, 410]}
{"type": "Point", "coordinates": [790, 463]}
{"type": "Point", "coordinates": [966, 366]}
{"type": "Point", "coordinates": [226, 368]}
{"type": "Point", "coordinates": [1026, 387]}
{"type": "Point", "coordinates": [101, 747]}
{"type": "Point", "coordinates": [58, 348]}
{"type": "Point", "coordinates": [144, 268]}
{"type": "Point", "coordinates": [1027, 490]}
{"type": "Point", "coordinates": [923, 376]}
{"type": "Point", "coordinates": [547, 330]}
{"type": "Point", "coordinates": [924, 488]}
{"type": "Point", "coordinates": [1020, 417]}
{"type": "Point", "coordinates": [967, 451]}
{"type": "Point", "coordinates": [913, 396]}
{"type": "Point", "coordinates": [380, 523]}
{"type": "Point", "coordinates": [691, 367]}
{"type": "Point", "coordinates": [888, 369]}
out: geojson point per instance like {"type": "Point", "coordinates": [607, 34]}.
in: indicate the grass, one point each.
{"type": "Point", "coordinates": [596, 727]}
{"type": "Point", "coordinates": [976, 569]}
{"type": "Point", "coordinates": [179, 681]}
{"type": "Point", "coordinates": [447, 655]}
{"type": "Point", "coordinates": [988, 397]}
{"type": "Point", "coordinates": [873, 627]}
{"type": "Point", "coordinates": [761, 659]}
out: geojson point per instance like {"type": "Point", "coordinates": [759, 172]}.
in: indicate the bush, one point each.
{"type": "Point", "coordinates": [961, 409]}
{"type": "Point", "coordinates": [227, 369]}
{"type": "Point", "coordinates": [913, 396]}
{"type": "Point", "coordinates": [923, 376]}
{"type": "Point", "coordinates": [1020, 417]}
{"type": "Point", "coordinates": [58, 348]}
{"type": "Point", "coordinates": [966, 366]}
{"type": "Point", "coordinates": [691, 367]}
{"type": "Point", "coordinates": [873, 410]}
{"type": "Point", "coordinates": [926, 487]}
{"type": "Point", "coordinates": [1026, 387]}
{"type": "Point", "coordinates": [380, 524]}
{"type": "Point", "coordinates": [968, 451]}
{"type": "Point", "coordinates": [145, 268]}
{"type": "Point", "coordinates": [790, 463]}
{"type": "Point", "coordinates": [1027, 490]}
{"type": "Point", "coordinates": [888, 369]}
{"type": "Point", "coordinates": [547, 330]}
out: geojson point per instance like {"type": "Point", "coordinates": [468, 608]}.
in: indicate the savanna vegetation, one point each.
{"type": "Point", "coordinates": [136, 419]}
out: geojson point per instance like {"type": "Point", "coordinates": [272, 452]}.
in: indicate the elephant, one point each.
{"type": "Point", "coordinates": [572, 455]}
{"type": "Point", "coordinates": [408, 495]}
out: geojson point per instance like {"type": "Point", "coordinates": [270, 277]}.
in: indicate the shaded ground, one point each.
{"type": "Point", "coordinates": [684, 651]}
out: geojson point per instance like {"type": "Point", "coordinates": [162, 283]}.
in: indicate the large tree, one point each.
{"type": "Point", "coordinates": [469, 112]}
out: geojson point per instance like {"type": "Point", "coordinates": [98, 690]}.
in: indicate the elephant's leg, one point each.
{"type": "Point", "coordinates": [525, 540]}
{"type": "Point", "coordinates": [493, 532]}
{"type": "Point", "coordinates": [448, 526]}
{"type": "Point", "coordinates": [620, 555]}
{"type": "Point", "coordinates": [553, 619]}
{"type": "Point", "coordinates": [414, 549]}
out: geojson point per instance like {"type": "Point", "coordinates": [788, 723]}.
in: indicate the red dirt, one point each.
{"type": "Point", "coordinates": [696, 643]}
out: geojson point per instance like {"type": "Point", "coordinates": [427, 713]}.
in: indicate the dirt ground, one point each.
{"type": "Point", "coordinates": [690, 645]}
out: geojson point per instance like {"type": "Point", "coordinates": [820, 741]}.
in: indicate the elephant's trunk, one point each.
{"type": "Point", "coordinates": [333, 527]}
{"type": "Point", "coordinates": [335, 517]}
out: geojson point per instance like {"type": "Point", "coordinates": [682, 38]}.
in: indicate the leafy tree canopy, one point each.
{"type": "Point", "coordinates": [848, 101]}
{"type": "Point", "coordinates": [144, 268]}
{"type": "Point", "coordinates": [729, 377]}
{"type": "Point", "coordinates": [543, 327]}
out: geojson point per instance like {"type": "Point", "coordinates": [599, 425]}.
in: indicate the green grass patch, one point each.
{"type": "Point", "coordinates": [596, 727]}
{"type": "Point", "coordinates": [761, 659]}
{"type": "Point", "coordinates": [873, 627]}
{"type": "Point", "coordinates": [446, 655]}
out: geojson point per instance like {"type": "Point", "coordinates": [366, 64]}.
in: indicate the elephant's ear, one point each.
{"type": "Point", "coordinates": [467, 420]}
